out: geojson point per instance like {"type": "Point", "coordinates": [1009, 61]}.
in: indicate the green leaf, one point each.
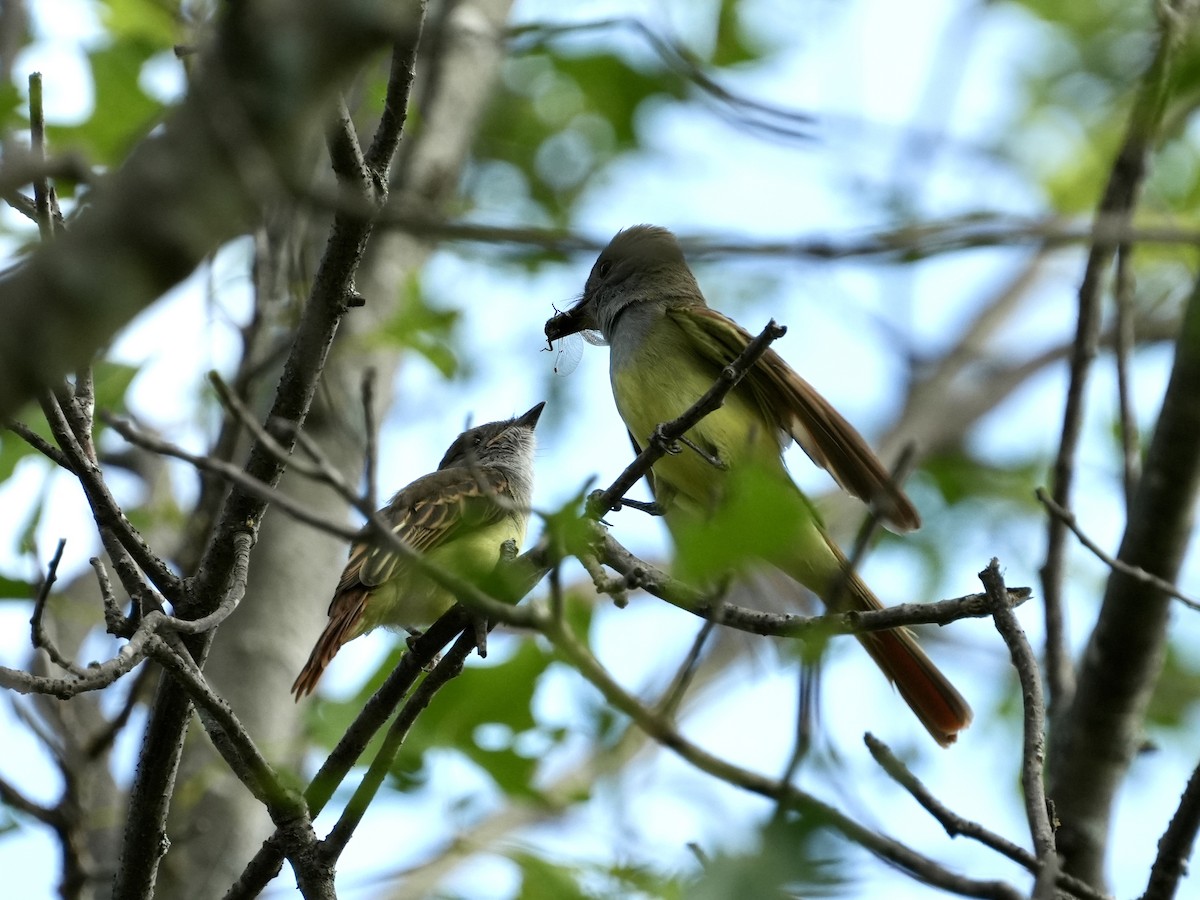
{"type": "Point", "coordinates": [544, 880]}
{"type": "Point", "coordinates": [12, 450]}
{"type": "Point", "coordinates": [960, 478]}
{"type": "Point", "coordinates": [760, 518]}
{"type": "Point", "coordinates": [1176, 691]}
{"type": "Point", "coordinates": [419, 326]}
{"type": "Point", "coordinates": [797, 857]}
{"type": "Point", "coordinates": [28, 534]}
{"type": "Point", "coordinates": [111, 382]}
{"type": "Point", "coordinates": [123, 112]}
{"type": "Point", "coordinates": [16, 589]}
{"type": "Point", "coordinates": [151, 21]}
{"type": "Point", "coordinates": [731, 46]}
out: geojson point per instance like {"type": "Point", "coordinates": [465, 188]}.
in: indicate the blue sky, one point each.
{"type": "Point", "coordinates": [864, 70]}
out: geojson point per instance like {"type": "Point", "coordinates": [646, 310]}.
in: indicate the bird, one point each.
{"type": "Point", "coordinates": [667, 346]}
{"type": "Point", "coordinates": [458, 517]}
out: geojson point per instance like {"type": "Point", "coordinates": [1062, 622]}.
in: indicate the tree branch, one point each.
{"type": "Point", "coordinates": [1033, 749]}
{"type": "Point", "coordinates": [1125, 652]}
{"type": "Point", "coordinates": [244, 128]}
{"type": "Point", "coordinates": [667, 433]}
{"type": "Point", "coordinates": [956, 824]}
{"type": "Point", "coordinates": [920, 867]}
{"type": "Point", "coordinates": [1116, 208]}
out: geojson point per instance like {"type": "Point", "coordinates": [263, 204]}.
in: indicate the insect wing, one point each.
{"type": "Point", "coordinates": [568, 350]}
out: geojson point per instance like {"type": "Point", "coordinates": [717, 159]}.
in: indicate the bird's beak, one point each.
{"type": "Point", "coordinates": [530, 419]}
{"type": "Point", "coordinates": [577, 318]}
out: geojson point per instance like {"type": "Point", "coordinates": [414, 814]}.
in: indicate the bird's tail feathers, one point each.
{"type": "Point", "coordinates": [341, 627]}
{"type": "Point", "coordinates": [929, 693]}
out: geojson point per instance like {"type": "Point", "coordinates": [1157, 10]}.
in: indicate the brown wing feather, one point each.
{"type": "Point", "coordinates": [424, 515]}
{"type": "Point", "coordinates": [431, 511]}
{"type": "Point", "coordinates": [345, 611]}
{"type": "Point", "coordinates": [828, 439]}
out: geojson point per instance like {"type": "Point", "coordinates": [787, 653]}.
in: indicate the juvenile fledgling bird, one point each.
{"type": "Point", "coordinates": [666, 348]}
{"type": "Point", "coordinates": [458, 517]}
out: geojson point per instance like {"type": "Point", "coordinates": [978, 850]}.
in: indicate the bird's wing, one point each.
{"type": "Point", "coordinates": [784, 397]}
{"type": "Point", "coordinates": [428, 513]}
{"type": "Point", "coordinates": [424, 515]}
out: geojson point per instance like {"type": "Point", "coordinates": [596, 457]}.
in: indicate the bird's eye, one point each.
{"type": "Point", "coordinates": [604, 267]}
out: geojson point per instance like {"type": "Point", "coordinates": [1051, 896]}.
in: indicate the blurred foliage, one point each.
{"type": "Point", "coordinates": [123, 109]}
{"type": "Point", "coordinates": [544, 879]}
{"type": "Point", "coordinates": [417, 325]}
{"type": "Point", "coordinates": [1079, 81]}
{"type": "Point", "coordinates": [16, 589]}
{"type": "Point", "coordinates": [759, 520]}
{"type": "Point", "coordinates": [1177, 694]}
{"type": "Point", "coordinates": [797, 856]}
{"type": "Point", "coordinates": [573, 103]}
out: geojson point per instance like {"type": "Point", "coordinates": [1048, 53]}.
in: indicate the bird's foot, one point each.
{"type": "Point", "coordinates": [411, 640]}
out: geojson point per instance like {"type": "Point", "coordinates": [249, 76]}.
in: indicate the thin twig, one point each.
{"type": "Point", "coordinates": [1033, 753]}
{"type": "Point", "coordinates": [1137, 572]}
{"type": "Point", "coordinates": [1124, 343]}
{"type": "Point", "coordinates": [40, 638]}
{"type": "Point", "coordinates": [38, 443]}
{"type": "Point", "coordinates": [919, 866]}
{"type": "Point", "coordinates": [928, 239]}
{"type": "Point", "coordinates": [382, 151]}
{"type": "Point", "coordinates": [378, 709]}
{"type": "Point", "coordinates": [656, 582]}
{"type": "Point", "coordinates": [232, 473]}
{"type": "Point", "coordinates": [449, 667]}
{"type": "Point", "coordinates": [102, 739]}
{"type": "Point", "coordinates": [1116, 206]}
{"type": "Point", "coordinates": [667, 433]}
{"type": "Point", "coordinates": [42, 191]}
{"type": "Point", "coordinates": [1175, 846]}
{"type": "Point", "coordinates": [11, 796]}
{"type": "Point", "coordinates": [371, 439]}
{"type": "Point", "coordinates": [115, 621]}
{"type": "Point", "coordinates": [956, 825]}
{"type": "Point", "coordinates": [122, 541]}
{"type": "Point", "coordinates": [466, 592]}
{"type": "Point", "coordinates": [227, 733]}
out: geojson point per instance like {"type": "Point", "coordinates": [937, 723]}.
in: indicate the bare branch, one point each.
{"type": "Point", "coordinates": [919, 866]}
{"type": "Point", "coordinates": [1119, 565]}
{"type": "Point", "coordinates": [667, 433]}
{"type": "Point", "coordinates": [121, 540]}
{"type": "Point", "coordinates": [371, 447]}
{"type": "Point", "coordinates": [37, 442]}
{"type": "Point", "coordinates": [1175, 846]}
{"type": "Point", "coordinates": [447, 668]}
{"type": "Point", "coordinates": [1033, 752]}
{"type": "Point", "coordinates": [266, 863]}
{"type": "Point", "coordinates": [153, 624]}
{"type": "Point", "coordinates": [654, 581]}
{"type": "Point", "coordinates": [1116, 207]}
{"type": "Point", "coordinates": [956, 825]}
{"type": "Point", "coordinates": [40, 638]}
{"type": "Point", "coordinates": [1123, 344]}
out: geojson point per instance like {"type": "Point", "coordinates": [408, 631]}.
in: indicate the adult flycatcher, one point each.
{"type": "Point", "coordinates": [667, 347]}
{"type": "Point", "coordinates": [458, 517]}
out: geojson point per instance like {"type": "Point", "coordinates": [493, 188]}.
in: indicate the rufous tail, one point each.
{"type": "Point", "coordinates": [345, 613]}
{"type": "Point", "coordinates": [928, 692]}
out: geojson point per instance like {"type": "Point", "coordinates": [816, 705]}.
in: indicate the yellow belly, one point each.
{"type": "Point", "coordinates": [414, 600]}
{"type": "Point", "coordinates": [656, 382]}
{"type": "Point", "coordinates": [659, 382]}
